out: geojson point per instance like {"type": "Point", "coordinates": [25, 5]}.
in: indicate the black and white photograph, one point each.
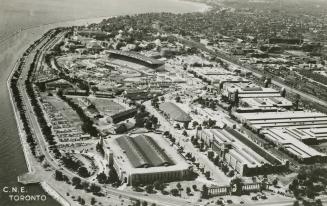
{"type": "Point", "coordinates": [163, 102]}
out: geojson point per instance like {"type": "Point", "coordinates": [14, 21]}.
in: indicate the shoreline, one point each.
{"type": "Point", "coordinates": [21, 132]}
{"type": "Point", "coordinates": [39, 30]}
{"type": "Point", "coordinates": [54, 194]}
{"type": "Point", "coordinates": [25, 147]}
{"type": "Point", "coordinates": [202, 7]}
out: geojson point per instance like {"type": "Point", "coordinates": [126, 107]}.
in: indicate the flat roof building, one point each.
{"type": "Point", "coordinates": [250, 97]}
{"type": "Point", "coordinates": [243, 155]}
{"type": "Point", "coordinates": [145, 159]}
{"type": "Point", "coordinates": [249, 90]}
{"type": "Point", "coordinates": [291, 144]}
{"type": "Point", "coordinates": [263, 104]}
{"type": "Point", "coordinates": [296, 119]}
{"type": "Point", "coordinates": [216, 75]}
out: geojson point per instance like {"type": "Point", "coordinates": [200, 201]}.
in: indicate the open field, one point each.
{"type": "Point", "coordinates": [107, 106]}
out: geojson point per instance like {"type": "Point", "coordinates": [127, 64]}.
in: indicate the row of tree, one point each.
{"type": "Point", "coordinates": [87, 126]}
{"type": "Point", "coordinates": [17, 95]}
{"type": "Point", "coordinates": [45, 128]}
{"type": "Point", "coordinates": [112, 177]}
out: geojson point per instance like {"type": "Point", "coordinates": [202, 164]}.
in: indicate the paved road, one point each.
{"type": "Point", "coordinates": [44, 147]}
{"type": "Point", "coordinates": [219, 177]}
{"type": "Point", "coordinates": [158, 199]}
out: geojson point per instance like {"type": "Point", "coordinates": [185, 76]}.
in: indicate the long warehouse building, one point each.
{"type": "Point", "coordinates": [145, 159]}
{"type": "Point", "coordinates": [240, 153]}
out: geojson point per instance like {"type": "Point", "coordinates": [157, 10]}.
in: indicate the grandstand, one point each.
{"type": "Point", "coordinates": [137, 58]}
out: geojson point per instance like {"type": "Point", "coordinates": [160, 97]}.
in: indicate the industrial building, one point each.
{"type": "Point", "coordinates": [248, 90]}
{"type": "Point", "coordinates": [296, 119]}
{"type": "Point", "coordinates": [214, 75]}
{"type": "Point", "coordinates": [249, 97]}
{"type": "Point", "coordinates": [288, 140]}
{"type": "Point", "coordinates": [264, 104]}
{"type": "Point", "coordinates": [243, 155]}
{"type": "Point", "coordinates": [145, 159]}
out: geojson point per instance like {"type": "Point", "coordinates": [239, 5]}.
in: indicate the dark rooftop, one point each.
{"type": "Point", "coordinates": [137, 56]}
{"type": "Point", "coordinates": [143, 151]}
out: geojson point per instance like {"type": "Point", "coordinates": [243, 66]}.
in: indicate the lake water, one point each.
{"type": "Point", "coordinates": [27, 16]}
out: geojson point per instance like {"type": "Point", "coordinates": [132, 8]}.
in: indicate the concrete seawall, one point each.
{"type": "Point", "coordinates": [19, 123]}
{"type": "Point", "coordinates": [54, 194]}
{"type": "Point", "coordinates": [27, 153]}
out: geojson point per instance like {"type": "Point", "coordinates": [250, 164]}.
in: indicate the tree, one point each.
{"type": "Point", "coordinates": [58, 175]}
{"type": "Point", "coordinates": [296, 102]}
{"type": "Point", "coordinates": [188, 190]}
{"type": "Point", "coordinates": [296, 203]}
{"type": "Point", "coordinates": [210, 155]}
{"type": "Point", "coordinates": [93, 201]}
{"type": "Point", "coordinates": [76, 181]}
{"type": "Point", "coordinates": [158, 185]}
{"type": "Point", "coordinates": [178, 99]}
{"type": "Point", "coordinates": [174, 192]}
{"type": "Point", "coordinates": [204, 192]}
{"type": "Point", "coordinates": [194, 187]}
{"type": "Point", "coordinates": [137, 203]}
{"type": "Point", "coordinates": [236, 185]}
{"type": "Point", "coordinates": [211, 123]}
{"type": "Point", "coordinates": [275, 182]}
{"type": "Point", "coordinates": [148, 124]}
{"type": "Point", "coordinates": [225, 168]}
{"type": "Point", "coordinates": [149, 188]}
{"type": "Point", "coordinates": [185, 124]}
{"type": "Point", "coordinates": [113, 177]}
{"type": "Point", "coordinates": [85, 186]}
{"type": "Point", "coordinates": [184, 133]}
{"type": "Point", "coordinates": [205, 123]}
{"type": "Point", "coordinates": [154, 120]}
{"type": "Point", "coordinates": [178, 126]}
{"type": "Point", "coordinates": [310, 193]}
{"type": "Point", "coordinates": [231, 173]}
{"type": "Point", "coordinates": [195, 124]}
{"type": "Point", "coordinates": [95, 189]}
{"type": "Point", "coordinates": [207, 174]}
{"type": "Point", "coordinates": [102, 178]}
{"type": "Point", "coordinates": [217, 161]}
{"type": "Point", "coordinates": [318, 202]}
{"type": "Point", "coordinates": [144, 203]}
{"type": "Point", "coordinates": [83, 172]}
{"type": "Point", "coordinates": [179, 186]}
{"type": "Point", "coordinates": [166, 133]}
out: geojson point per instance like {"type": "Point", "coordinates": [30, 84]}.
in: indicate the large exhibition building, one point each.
{"type": "Point", "coordinates": [291, 131]}
{"type": "Point", "coordinates": [145, 159]}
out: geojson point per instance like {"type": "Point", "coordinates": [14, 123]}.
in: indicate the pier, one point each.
{"type": "Point", "coordinates": [28, 178]}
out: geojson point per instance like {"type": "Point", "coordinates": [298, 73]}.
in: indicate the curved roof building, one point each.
{"type": "Point", "coordinates": [143, 151]}
{"type": "Point", "coordinates": [174, 112]}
